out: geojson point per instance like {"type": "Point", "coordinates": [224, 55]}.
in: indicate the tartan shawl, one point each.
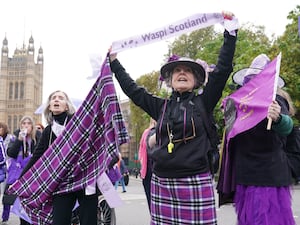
{"type": "Point", "coordinates": [79, 155]}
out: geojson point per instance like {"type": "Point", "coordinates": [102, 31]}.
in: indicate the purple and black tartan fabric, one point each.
{"type": "Point", "coordinates": [188, 200]}
{"type": "Point", "coordinates": [79, 155]}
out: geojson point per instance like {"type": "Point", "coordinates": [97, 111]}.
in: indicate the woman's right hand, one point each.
{"type": "Point", "coordinates": [112, 56]}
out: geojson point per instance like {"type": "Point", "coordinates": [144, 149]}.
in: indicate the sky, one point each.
{"type": "Point", "coordinates": [71, 31]}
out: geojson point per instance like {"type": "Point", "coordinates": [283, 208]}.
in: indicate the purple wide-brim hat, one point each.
{"type": "Point", "coordinates": [242, 76]}
{"type": "Point", "coordinates": [198, 70]}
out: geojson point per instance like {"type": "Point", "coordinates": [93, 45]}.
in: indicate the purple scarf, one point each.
{"type": "Point", "coordinates": [79, 155]}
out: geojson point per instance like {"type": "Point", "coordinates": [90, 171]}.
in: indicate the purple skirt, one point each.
{"type": "Point", "coordinates": [263, 205]}
{"type": "Point", "coordinates": [188, 200]}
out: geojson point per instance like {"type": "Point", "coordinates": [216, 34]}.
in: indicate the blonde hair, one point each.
{"type": "Point", "coordinates": [33, 129]}
{"type": "Point", "coordinates": [48, 114]}
{"type": "Point", "coordinates": [286, 95]}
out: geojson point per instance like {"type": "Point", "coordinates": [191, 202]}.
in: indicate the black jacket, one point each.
{"type": "Point", "coordinates": [188, 157]}
{"type": "Point", "coordinates": [259, 155]}
{"type": "Point", "coordinates": [15, 146]}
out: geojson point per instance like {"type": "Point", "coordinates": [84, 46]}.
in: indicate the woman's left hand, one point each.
{"type": "Point", "coordinates": [274, 111]}
{"type": "Point", "coordinates": [227, 15]}
{"type": "Point", "coordinates": [112, 56]}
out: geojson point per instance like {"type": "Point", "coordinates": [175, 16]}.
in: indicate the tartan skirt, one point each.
{"type": "Point", "coordinates": [257, 205]}
{"type": "Point", "coordinates": [188, 200]}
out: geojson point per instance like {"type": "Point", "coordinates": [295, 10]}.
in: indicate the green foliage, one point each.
{"type": "Point", "coordinates": [190, 45]}
{"type": "Point", "coordinates": [289, 45]}
{"type": "Point", "coordinates": [140, 119]}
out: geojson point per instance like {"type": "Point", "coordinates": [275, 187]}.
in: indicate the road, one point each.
{"type": "Point", "coordinates": [134, 210]}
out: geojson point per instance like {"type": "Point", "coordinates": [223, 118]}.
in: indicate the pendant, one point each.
{"type": "Point", "coordinates": [170, 147]}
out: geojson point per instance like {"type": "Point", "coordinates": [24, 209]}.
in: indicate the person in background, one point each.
{"type": "Point", "coordinates": [19, 151]}
{"type": "Point", "coordinates": [123, 170]}
{"type": "Point", "coordinates": [6, 137]}
{"type": "Point", "coordinates": [58, 113]}
{"type": "Point", "coordinates": [262, 175]}
{"type": "Point", "coordinates": [146, 162]}
{"type": "Point", "coordinates": [39, 127]}
{"type": "Point", "coordinates": [182, 190]}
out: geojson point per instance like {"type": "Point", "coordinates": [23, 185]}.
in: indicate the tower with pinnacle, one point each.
{"type": "Point", "coordinates": [21, 83]}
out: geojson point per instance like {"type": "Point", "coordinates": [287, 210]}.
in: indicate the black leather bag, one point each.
{"type": "Point", "coordinates": [213, 153]}
{"type": "Point", "coordinates": [213, 156]}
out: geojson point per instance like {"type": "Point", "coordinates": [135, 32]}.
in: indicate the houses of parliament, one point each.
{"type": "Point", "coordinates": [21, 83]}
{"type": "Point", "coordinates": [21, 89]}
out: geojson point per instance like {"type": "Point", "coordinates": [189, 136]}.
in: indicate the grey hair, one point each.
{"type": "Point", "coordinates": [48, 114]}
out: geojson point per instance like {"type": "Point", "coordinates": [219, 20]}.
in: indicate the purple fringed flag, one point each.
{"type": "Point", "coordinates": [250, 103]}
{"type": "Point", "coordinates": [18, 209]}
{"type": "Point", "coordinates": [244, 109]}
{"type": "Point", "coordinates": [79, 155]}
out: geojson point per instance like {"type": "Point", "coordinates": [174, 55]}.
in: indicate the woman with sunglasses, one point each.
{"type": "Point", "coordinates": [181, 185]}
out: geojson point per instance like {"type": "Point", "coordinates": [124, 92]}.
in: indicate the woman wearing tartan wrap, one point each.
{"type": "Point", "coordinates": [181, 185]}
{"type": "Point", "coordinates": [58, 112]}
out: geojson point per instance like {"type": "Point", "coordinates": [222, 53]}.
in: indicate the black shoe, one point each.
{"type": "Point", "coordinates": [123, 191]}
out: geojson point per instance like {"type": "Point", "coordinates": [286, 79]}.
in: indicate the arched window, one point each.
{"type": "Point", "coordinates": [22, 90]}
{"type": "Point", "coordinates": [16, 90]}
{"type": "Point", "coordinates": [15, 123]}
{"type": "Point", "coordinates": [11, 90]}
{"type": "Point", "coordinates": [9, 121]}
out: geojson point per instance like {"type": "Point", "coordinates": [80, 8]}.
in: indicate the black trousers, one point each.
{"type": "Point", "coordinates": [24, 222]}
{"type": "Point", "coordinates": [63, 206]}
{"type": "Point", "coordinates": [147, 184]}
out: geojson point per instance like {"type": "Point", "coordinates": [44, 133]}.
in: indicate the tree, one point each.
{"type": "Point", "coordinates": [289, 45]}
{"type": "Point", "coordinates": [139, 118]}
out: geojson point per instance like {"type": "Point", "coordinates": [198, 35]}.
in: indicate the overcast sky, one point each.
{"type": "Point", "coordinates": [69, 31]}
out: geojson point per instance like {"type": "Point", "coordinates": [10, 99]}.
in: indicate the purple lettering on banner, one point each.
{"type": "Point", "coordinates": [192, 23]}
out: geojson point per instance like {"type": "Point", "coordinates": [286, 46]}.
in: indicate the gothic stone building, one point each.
{"type": "Point", "coordinates": [21, 83]}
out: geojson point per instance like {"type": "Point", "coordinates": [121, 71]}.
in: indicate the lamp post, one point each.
{"type": "Point", "coordinates": [136, 146]}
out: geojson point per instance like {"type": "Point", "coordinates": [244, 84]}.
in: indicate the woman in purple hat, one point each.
{"type": "Point", "coordinates": [181, 185]}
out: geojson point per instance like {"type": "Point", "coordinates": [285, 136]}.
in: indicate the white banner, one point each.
{"type": "Point", "coordinates": [185, 25]}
